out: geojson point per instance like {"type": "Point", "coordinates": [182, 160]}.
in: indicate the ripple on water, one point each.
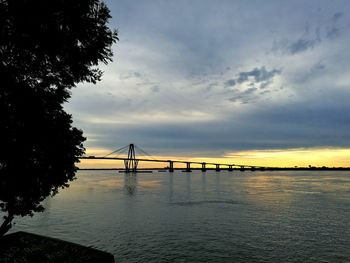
{"type": "Point", "coordinates": [203, 202]}
{"type": "Point", "coordinates": [204, 217]}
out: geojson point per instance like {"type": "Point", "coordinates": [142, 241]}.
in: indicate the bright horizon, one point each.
{"type": "Point", "coordinates": [334, 157]}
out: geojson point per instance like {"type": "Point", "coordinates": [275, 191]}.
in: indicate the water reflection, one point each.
{"type": "Point", "coordinates": [188, 186]}
{"type": "Point", "coordinates": [171, 187]}
{"type": "Point", "coordinates": [130, 183]}
{"type": "Point", "coordinates": [265, 190]}
{"type": "Point", "coordinates": [204, 181]}
{"type": "Point", "coordinates": [217, 185]}
{"type": "Point", "coordinates": [149, 184]}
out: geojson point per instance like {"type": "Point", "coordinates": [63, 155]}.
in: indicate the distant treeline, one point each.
{"type": "Point", "coordinates": [238, 169]}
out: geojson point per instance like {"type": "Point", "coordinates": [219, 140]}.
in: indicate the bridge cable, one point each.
{"type": "Point", "coordinates": [144, 152]}
{"type": "Point", "coordinates": [118, 150]}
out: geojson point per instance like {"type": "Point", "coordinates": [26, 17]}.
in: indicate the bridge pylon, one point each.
{"type": "Point", "coordinates": [171, 166]}
{"type": "Point", "coordinates": [204, 168]}
{"type": "Point", "coordinates": [188, 167]}
{"type": "Point", "coordinates": [131, 163]}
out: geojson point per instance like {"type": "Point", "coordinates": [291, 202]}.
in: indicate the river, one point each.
{"type": "Point", "coordinates": [301, 216]}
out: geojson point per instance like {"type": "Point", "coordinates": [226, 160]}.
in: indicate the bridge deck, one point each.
{"type": "Point", "coordinates": [173, 161]}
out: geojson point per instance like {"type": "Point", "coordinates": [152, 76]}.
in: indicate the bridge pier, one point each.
{"type": "Point", "coordinates": [230, 168]}
{"type": "Point", "coordinates": [188, 167]}
{"type": "Point", "coordinates": [171, 166]}
{"type": "Point", "coordinates": [204, 169]}
{"type": "Point", "coordinates": [242, 169]}
{"type": "Point", "coordinates": [217, 167]}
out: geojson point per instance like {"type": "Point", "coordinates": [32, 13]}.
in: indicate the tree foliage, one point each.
{"type": "Point", "coordinates": [46, 48]}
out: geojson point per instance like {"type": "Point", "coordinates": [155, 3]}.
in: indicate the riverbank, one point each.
{"type": "Point", "coordinates": [31, 248]}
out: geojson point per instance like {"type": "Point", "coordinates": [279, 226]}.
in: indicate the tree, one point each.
{"type": "Point", "coordinates": [46, 48]}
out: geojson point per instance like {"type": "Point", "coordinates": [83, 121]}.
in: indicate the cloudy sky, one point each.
{"type": "Point", "coordinates": [224, 79]}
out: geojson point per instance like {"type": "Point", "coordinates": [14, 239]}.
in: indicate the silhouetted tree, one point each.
{"type": "Point", "coordinates": [46, 48]}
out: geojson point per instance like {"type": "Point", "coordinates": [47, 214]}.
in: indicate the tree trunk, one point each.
{"type": "Point", "coordinates": [6, 225]}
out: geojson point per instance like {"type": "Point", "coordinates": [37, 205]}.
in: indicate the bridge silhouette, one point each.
{"type": "Point", "coordinates": [131, 162]}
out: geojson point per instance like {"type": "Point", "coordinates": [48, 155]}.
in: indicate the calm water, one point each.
{"type": "Point", "coordinates": [204, 217]}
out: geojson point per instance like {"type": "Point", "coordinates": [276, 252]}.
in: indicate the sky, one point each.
{"type": "Point", "coordinates": [260, 82]}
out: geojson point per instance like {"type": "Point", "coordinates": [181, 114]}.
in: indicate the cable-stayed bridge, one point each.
{"type": "Point", "coordinates": [131, 161]}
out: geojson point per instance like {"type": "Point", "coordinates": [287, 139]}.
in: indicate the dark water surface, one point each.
{"type": "Point", "coordinates": [204, 217]}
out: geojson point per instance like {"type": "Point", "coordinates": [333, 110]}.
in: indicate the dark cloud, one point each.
{"type": "Point", "coordinates": [260, 77]}
{"type": "Point", "coordinates": [309, 41]}
{"type": "Point", "coordinates": [155, 89]}
{"type": "Point", "coordinates": [301, 45]}
{"type": "Point", "coordinates": [337, 16]}
{"type": "Point", "coordinates": [230, 83]}
{"type": "Point", "coordinates": [317, 68]}
{"type": "Point", "coordinates": [310, 74]}
{"type": "Point", "coordinates": [244, 97]}
{"type": "Point", "coordinates": [137, 74]}
{"type": "Point", "coordinates": [258, 74]}
{"type": "Point", "coordinates": [333, 33]}
{"type": "Point", "coordinates": [265, 84]}
{"type": "Point", "coordinates": [334, 29]}
{"type": "Point", "coordinates": [265, 92]}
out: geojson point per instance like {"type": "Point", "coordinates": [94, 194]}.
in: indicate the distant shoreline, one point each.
{"type": "Point", "coordinates": [234, 169]}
